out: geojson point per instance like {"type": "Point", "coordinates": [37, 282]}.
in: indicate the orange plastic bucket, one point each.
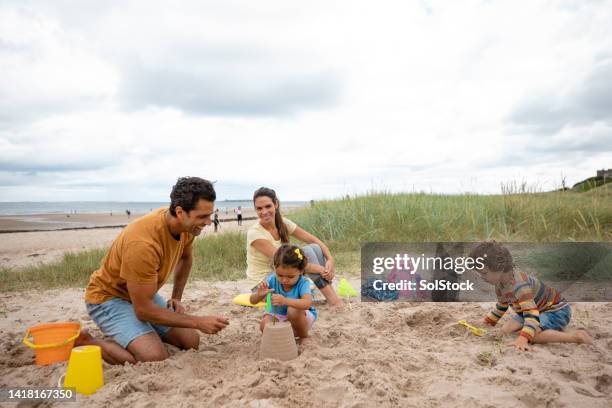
{"type": "Point", "coordinates": [52, 341]}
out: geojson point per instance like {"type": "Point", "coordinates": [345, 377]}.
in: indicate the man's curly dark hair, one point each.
{"type": "Point", "coordinates": [188, 191]}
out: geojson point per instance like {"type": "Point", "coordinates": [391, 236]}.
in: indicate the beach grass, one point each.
{"type": "Point", "coordinates": [590, 261]}
{"type": "Point", "coordinates": [220, 257]}
{"type": "Point", "coordinates": [515, 216]}
{"type": "Point", "coordinates": [73, 270]}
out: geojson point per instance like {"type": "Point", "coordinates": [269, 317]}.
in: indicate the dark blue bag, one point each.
{"type": "Point", "coordinates": [367, 290]}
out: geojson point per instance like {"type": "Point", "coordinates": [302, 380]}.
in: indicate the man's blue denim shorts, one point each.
{"type": "Point", "coordinates": [555, 320]}
{"type": "Point", "coordinates": [117, 319]}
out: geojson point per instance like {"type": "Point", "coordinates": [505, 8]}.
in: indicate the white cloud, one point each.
{"type": "Point", "coordinates": [115, 100]}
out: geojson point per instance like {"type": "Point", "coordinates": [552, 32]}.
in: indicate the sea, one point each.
{"type": "Point", "coordinates": [90, 207]}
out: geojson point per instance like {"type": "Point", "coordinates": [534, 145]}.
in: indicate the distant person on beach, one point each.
{"type": "Point", "coordinates": [273, 230]}
{"type": "Point", "coordinates": [216, 219]}
{"type": "Point", "coordinates": [291, 297]}
{"type": "Point", "coordinates": [128, 213]}
{"type": "Point", "coordinates": [238, 212]}
{"type": "Point", "coordinates": [540, 312]}
{"type": "Point", "coordinates": [122, 297]}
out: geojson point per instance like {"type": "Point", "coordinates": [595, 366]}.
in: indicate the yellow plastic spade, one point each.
{"type": "Point", "coordinates": [477, 331]}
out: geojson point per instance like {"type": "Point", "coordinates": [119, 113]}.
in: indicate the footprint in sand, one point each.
{"type": "Point", "coordinates": [340, 370]}
{"type": "Point", "coordinates": [209, 351]}
{"type": "Point", "coordinates": [268, 389]}
{"type": "Point", "coordinates": [330, 395]}
{"type": "Point", "coordinates": [570, 374]}
{"type": "Point", "coordinates": [584, 391]}
{"type": "Point", "coordinates": [604, 384]}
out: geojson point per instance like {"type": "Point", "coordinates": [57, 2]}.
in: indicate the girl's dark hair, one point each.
{"type": "Point", "coordinates": [290, 255]}
{"type": "Point", "coordinates": [495, 256]}
{"type": "Point", "coordinates": [278, 218]}
{"type": "Point", "coordinates": [188, 191]}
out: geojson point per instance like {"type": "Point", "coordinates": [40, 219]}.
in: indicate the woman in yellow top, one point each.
{"type": "Point", "coordinates": [273, 230]}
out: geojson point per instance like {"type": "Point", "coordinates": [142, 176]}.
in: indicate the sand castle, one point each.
{"type": "Point", "coordinates": [278, 342]}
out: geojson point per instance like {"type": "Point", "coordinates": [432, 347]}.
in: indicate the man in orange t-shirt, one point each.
{"type": "Point", "coordinates": [122, 297]}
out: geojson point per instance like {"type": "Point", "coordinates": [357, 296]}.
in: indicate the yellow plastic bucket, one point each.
{"type": "Point", "coordinates": [84, 372]}
{"type": "Point", "coordinates": [52, 341]}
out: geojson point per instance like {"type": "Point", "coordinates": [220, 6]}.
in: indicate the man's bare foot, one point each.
{"type": "Point", "coordinates": [84, 338]}
{"type": "Point", "coordinates": [582, 337]}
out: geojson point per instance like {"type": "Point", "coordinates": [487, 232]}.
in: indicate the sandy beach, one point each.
{"type": "Point", "coordinates": [452, 160]}
{"type": "Point", "coordinates": [392, 354]}
{"type": "Point", "coordinates": [50, 222]}
{"type": "Point", "coordinates": [46, 243]}
{"type": "Point", "coordinates": [388, 354]}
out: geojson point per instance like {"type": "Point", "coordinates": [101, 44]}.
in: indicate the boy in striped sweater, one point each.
{"type": "Point", "coordinates": [541, 311]}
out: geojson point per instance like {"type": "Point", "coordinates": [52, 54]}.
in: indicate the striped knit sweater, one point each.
{"type": "Point", "coordinates": [529, 297]}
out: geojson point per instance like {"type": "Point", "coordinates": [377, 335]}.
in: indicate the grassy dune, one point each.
{"type": "Point", "coordinates": [531, 217]}
{"type": "Point", "coordinates": [73, 269]}
{"type": "Point", "coordinates": [348, 223]}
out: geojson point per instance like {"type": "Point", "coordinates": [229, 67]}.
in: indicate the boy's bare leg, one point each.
{"type": "Point", "coordinates": [555, 336]}
{"type": "Point", "coordinates": [511, 326]}
{"type": "Point", "coordinates": [112, 352]}
{"type": "Point", "coordinates": [299, 323]}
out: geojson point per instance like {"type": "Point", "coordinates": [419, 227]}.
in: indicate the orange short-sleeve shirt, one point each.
{"type": "Point", "coordinates": [144, 252]}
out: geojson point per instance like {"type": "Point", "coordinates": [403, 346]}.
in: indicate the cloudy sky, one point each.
{"type": "Point", "coordinates": [113, 100]}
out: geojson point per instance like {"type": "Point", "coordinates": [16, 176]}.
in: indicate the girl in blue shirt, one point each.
{"type": "Point", "coordinates": [291, 296]}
